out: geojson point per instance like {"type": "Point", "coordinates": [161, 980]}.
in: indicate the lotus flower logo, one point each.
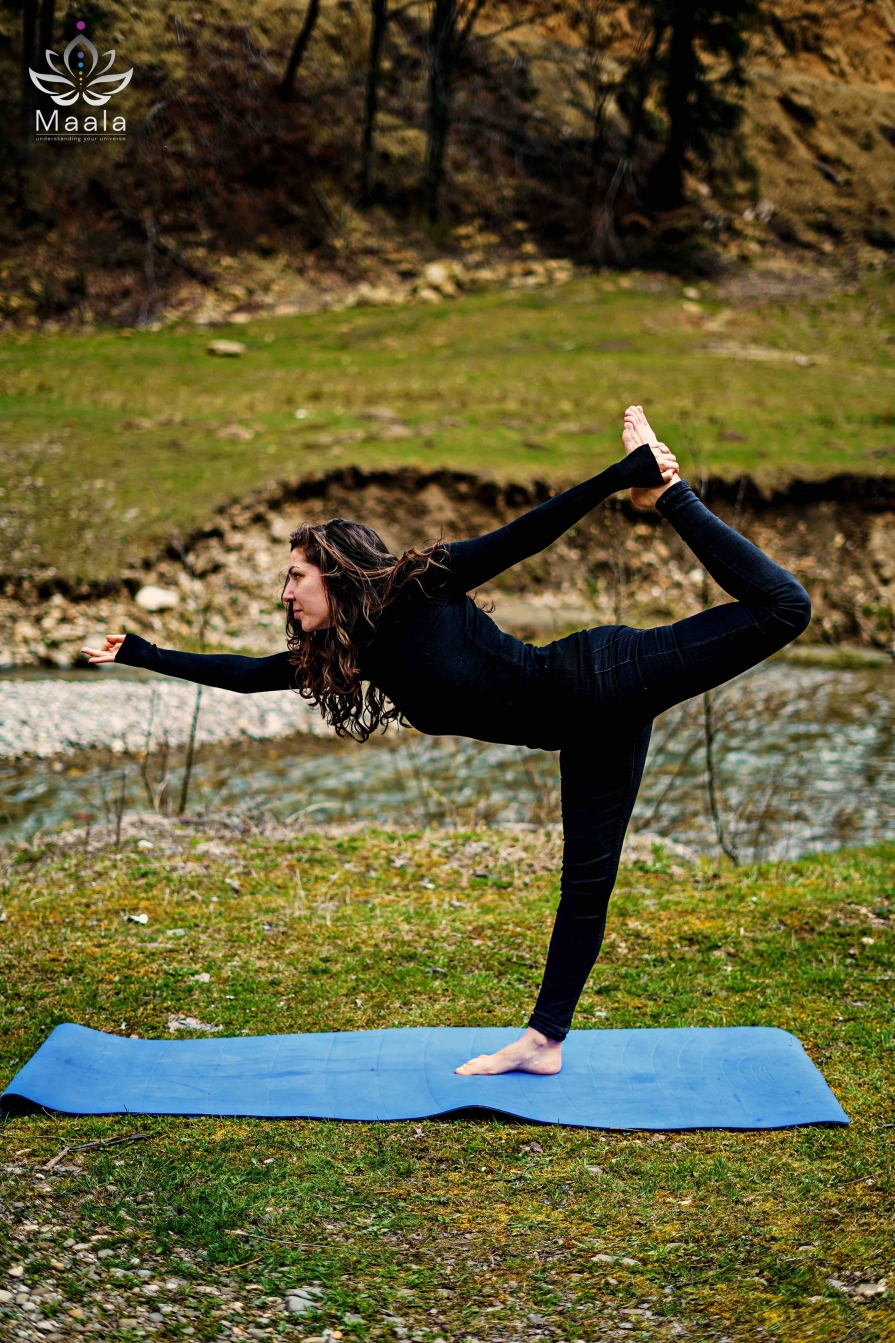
{"type": "Point", "coordinates": [80, 59]}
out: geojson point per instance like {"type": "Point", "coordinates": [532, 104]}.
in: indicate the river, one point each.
{"type": "Point", "coordinates": [803, 759]}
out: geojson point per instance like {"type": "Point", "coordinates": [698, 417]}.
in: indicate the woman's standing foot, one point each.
{"type": "Point", "coordinates": [534, 1053]}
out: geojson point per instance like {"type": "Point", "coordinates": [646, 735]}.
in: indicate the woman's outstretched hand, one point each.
{"type": "Point", "coordinates": [108, 653]}
{"type": "Point", "coordinates": [637, 430]}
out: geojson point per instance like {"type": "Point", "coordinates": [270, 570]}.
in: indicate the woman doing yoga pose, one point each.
{"type": "Point", "coordinates": [429, 655]}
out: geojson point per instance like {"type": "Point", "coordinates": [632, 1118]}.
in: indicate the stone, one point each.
{"type": "Point", "coordinates": [380, 413]}
{"type": "Point", "coordinates": [441, 277]}
{"type": "Point", "coordinates": [157, 1317]}
{"type": "Point", "coordinates": [190, 1024]}
{"type": "Point", "coordinates": [16, 1271]}
{"type": "Point", "coordinates": [236, 433]}
{"type": "Point", "coordinates": [226, 349]}
{"type": "Point", "coordinates": [151, 598]}
{"type": "Point", "coordinates": [5, 1297]}
{"type": "Point", "coordinates": [299, 1305]}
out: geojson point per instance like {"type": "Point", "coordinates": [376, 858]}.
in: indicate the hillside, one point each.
{"type": "Point", "coordinates": [225, 199]}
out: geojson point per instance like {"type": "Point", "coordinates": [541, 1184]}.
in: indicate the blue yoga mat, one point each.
{"type": "Point", "coordinates": [738, 1077]}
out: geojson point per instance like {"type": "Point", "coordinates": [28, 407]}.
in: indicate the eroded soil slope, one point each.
{"type": "Point", "coordinates": [616, 566]}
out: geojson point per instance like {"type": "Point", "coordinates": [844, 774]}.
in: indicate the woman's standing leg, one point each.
{"type": "Point", "coordinates": [601, 776]}
{"type": "Point", "coordinates": [600, 782]}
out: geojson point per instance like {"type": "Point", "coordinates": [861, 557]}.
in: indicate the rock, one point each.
{"type": "Point", "coordinates": [428, 295]}
{"type": "Point", "coordinates": [227, 349]}
{"type": "Point", "coordinates": [151, 598]}
{"type": "Point", "coordinates": [442, 276]}
{"type": "Point", "coordinates": [376, 295]}
{"type": "Point", "coordinates": [236, 433]}
{"type": "Point", "coordinates": [190, 1024]}
{"type": "Point", "coordinates": [299, 1305]}
{"type": "Point", "coordinates": [157, 1317]}
{"type": "Point", "coordinates": [16, 1271]}
{"type": "Point", "coordinates": [383, 413]}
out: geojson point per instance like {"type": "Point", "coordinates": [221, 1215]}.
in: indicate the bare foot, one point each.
{"type": "Point", "coordinates": [637, 431]}
{"type": "Point", "coordinates": [534, 1053]}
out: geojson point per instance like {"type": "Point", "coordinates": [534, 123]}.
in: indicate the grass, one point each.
{"type": "Point", "coordinates": [110, 439]}
{"type": "Point", "coordinates": [472, 1227]}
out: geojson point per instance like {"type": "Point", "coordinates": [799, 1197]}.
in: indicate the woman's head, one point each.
{"type": "Point", "coordinates": [331, 571]}
{"type": "Point", "coordinates": [341, 577]}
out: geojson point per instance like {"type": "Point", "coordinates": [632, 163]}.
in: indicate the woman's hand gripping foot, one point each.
{"type": "Point", "coordinates": [534, 1053]}
{"type": "Point", "coordinates": [637, 430]}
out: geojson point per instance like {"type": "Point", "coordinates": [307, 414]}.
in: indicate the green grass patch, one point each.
{"type": "Point", "coordinates": [464, 1228]}
{"type": "Point", "coordinates": [112, 440]}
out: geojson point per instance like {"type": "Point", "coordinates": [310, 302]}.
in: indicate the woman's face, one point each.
{"type": "Point", "coordinates": [306, 591]}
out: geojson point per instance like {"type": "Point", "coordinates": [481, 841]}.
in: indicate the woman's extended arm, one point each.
{"type": "Point", "coordinates": [226, 670]}
{"type": "Point", "coordinates": [475, 561]}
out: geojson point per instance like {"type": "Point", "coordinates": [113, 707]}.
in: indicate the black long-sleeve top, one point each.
{"type": "Point", "coordinates": [436, 655]}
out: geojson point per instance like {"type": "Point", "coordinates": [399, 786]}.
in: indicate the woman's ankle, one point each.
{"type": "Point", "coordinates": [541, 1040]}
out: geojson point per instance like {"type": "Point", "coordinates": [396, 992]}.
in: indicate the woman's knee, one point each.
{"type": "Point", "coordinates": [795, 608]}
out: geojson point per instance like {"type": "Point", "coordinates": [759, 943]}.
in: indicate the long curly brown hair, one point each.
{"type": "Point", "coordinates": [362, 577]}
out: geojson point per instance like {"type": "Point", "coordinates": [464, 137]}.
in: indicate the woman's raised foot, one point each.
{"type": "Point", "coordinates": [534, 1053]}
{"type": "Point", "coordinates": [637, 430]}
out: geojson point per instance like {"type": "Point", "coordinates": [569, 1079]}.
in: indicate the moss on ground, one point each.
{"type": "Point", "coordinates": [470, 1227]}
{"type": "Point", "coordinates": [516, 385]}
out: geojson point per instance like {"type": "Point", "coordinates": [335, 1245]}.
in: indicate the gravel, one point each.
{"type": "Point", "coordinates": [57, 717]}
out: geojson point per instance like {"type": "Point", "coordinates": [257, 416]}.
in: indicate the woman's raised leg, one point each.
{"type": "Point", "coordinates": [656, 668]}
{"type": "Point", "coordinates": [653, 669]}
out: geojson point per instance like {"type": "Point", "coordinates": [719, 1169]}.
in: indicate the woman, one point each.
{"type": "Point", "coordinates": [429, 655]}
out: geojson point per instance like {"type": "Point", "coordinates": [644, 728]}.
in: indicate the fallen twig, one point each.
{"type": "Point", "coordinates": [98, 1142]}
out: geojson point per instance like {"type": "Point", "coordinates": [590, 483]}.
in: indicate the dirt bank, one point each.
{"type": "Point", "coordinates": [616, 566]}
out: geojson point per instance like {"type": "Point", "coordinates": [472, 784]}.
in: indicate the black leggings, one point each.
{"type": "Point", "coordinates": [641, 673]}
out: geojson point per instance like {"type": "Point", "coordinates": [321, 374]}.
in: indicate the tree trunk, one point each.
{"type": "Point", "coordinates": [286, 88]}
{"type": "Point", "coordinates": [47, 19]}
{"type": "Point", "coordinates": [667, 177]}
{"type": "Point", "coordinates": [29, 21]}
{"type": "Point", "coordinates": [377, 34]}
{"type": "Point", "coordinates": [442, 55]}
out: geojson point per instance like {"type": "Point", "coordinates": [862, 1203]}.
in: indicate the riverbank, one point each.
{"type": "Point", "coordinates": [471, 1227]}
{"type": "Point", "coordinates": [777, 377]}
{"type": "Point", "coordinates": [220, 587]}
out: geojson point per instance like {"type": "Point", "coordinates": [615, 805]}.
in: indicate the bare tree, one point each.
{"type": "Point", "coordinates": [29, 23]}
{"type": "Point", "coordinates": [286, 88]}
{"type": "Point", "coordinates": [379, 16]}
{"type": "Point", "coordinates": [47, 20]}
{"type": "Point", "coordinates": [451, 23]}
